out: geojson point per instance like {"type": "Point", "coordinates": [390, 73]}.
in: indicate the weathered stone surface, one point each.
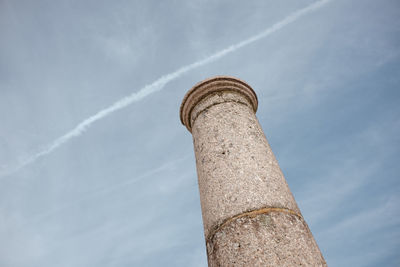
{"type": "Point", "coordinates": [270, 239]}
{"type": "Point", "coordinates": [238, 175]}
{"type": "Point", "coordinates": [236, 167]}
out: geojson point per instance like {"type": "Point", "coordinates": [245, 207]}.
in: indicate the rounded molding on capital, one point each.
{"type": "Point", "coordinates": [210, 86]}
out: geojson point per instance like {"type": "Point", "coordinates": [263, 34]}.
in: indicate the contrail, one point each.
{"type": "Point", "coordinates": [158, 85]}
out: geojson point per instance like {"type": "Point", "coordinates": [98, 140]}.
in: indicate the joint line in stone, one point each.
{"type": "Point", "coordinates": [251, 214]}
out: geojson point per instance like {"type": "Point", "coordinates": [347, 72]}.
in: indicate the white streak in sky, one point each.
{"type": "Point", "coordinates": [159, 84]}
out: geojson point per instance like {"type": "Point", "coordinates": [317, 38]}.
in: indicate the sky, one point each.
{"type": "Point", "coordinates": [97, 170]}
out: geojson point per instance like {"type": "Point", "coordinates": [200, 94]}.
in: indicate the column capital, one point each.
{"type": "Point", "coordinates": [209, 87]}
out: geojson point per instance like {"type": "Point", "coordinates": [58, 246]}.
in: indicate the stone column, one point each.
{"type": "Point", "coordinates": [250, 216]}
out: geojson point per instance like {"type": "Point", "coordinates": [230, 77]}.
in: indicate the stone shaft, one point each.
{"type": "Point", "coordinates": [250, 216]}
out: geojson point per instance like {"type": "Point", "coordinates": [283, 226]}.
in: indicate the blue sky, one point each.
{"type": "Point", "coordinates": [124, 191]}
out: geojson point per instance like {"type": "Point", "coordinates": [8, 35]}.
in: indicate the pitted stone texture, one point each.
{"type": "Point", "coordinates": [216, 99]}
{"type": "Point", "coordinates": [236, 168]}
{"type": "Point", "coordinates": [271, 239]}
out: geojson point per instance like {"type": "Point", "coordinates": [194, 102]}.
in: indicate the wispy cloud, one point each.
{"type": "Point", "coordinates": [109, 189]}
{"type": "Point", "coordinates": [159, 85]}
{"type": "Point", "coordinates": [377, 223]}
